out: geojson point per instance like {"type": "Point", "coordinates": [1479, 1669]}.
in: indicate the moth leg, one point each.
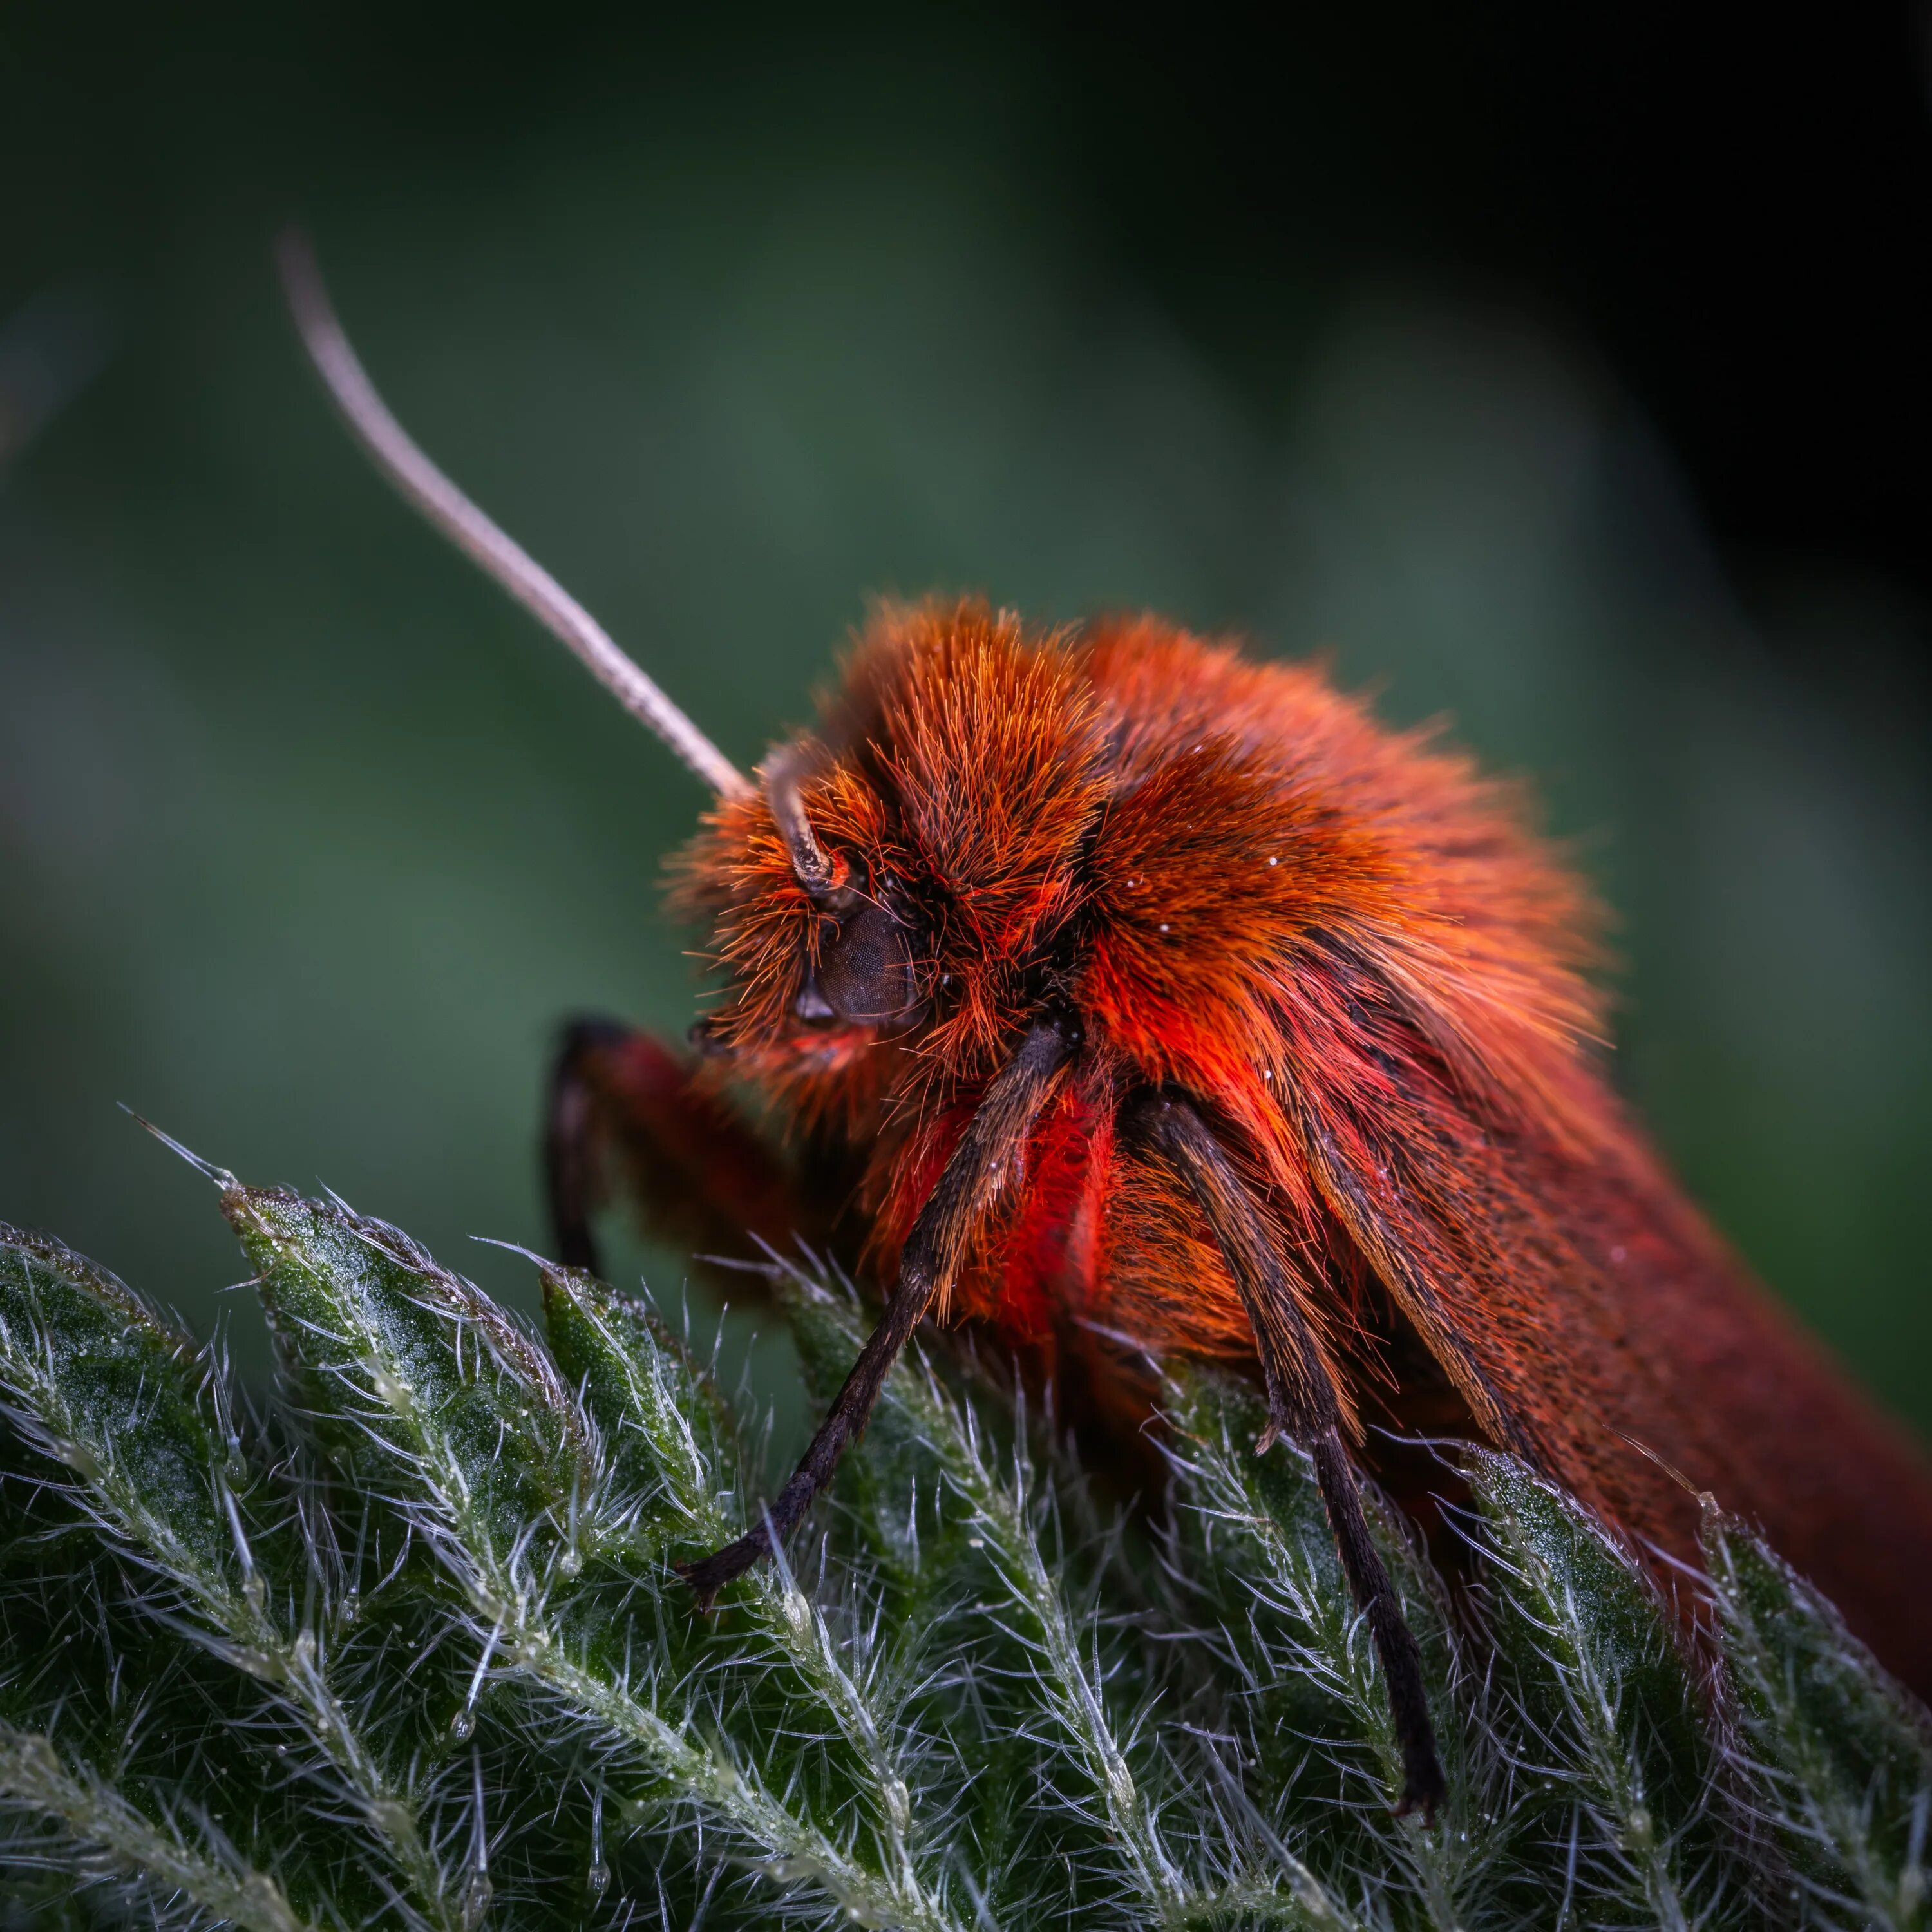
{"type": "Point", "coordinates": [620, 1105]}
{"type": "Point", "coordinates": [986, 1154]}
{"type": "Point", "coordinates": [1302, 1403]}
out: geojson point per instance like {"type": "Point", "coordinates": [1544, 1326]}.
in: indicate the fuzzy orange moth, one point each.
{"type": "Point", "coordinates": [1114, 986]}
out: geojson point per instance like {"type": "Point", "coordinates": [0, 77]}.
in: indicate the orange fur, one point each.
{"type": "Point", "coordinates": [1353, 948]}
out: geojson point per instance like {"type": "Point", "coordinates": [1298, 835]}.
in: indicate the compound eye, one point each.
{"type": "Point", "coordinates": [866, 975]}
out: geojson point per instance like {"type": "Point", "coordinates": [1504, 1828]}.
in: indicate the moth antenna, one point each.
{"type": "Point", "coordinates": [425, 486]}
{"type": "Point", "coordinates": [785, 774]}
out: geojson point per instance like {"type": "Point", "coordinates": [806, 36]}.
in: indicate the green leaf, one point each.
{"type": "Point", "coordinates": [1624, 1779]}
{"type": "Point", "coordinates": [416, 1379]}
{"type": "Point", "coordinates": [1321, 1762]}
{"type": "Point", "coordinates": [98, 1381]}
{"type": "Point", "coordinates": [411, 1651]}
{"type": "Point", "coordinates": [178, 1877]}
{"type": "Point", "coordinates": [668, 1440]}
{"type": "Point", "coordinates": [1840, 1756]}
{"type": "Point", "coordinates": [421, 1384]}
{"type": "Point", "coordinates": [672, 1440]}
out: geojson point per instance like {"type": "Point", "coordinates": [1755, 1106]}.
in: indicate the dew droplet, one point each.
{"type": "Point", "coordinates": [976, 1543]}
{"type": "Point", "coordinates": [597, 1878]}
{"type": "Point", "coordinates": [349, 1609]}
{"type": "Point", "coordinates": [476, 1900]}
{"type": "Point", "coordinates": [1163, 926]}
{"type": "Point", "coordinates": [570, 1561]}
{"type": "Point", "coordinates": [1273, 860]}
{"type": "Point", "coordinates": [462, 1724]}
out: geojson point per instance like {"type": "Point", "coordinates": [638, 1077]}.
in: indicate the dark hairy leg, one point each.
{"type": "Point", "coordinates": [1303, 1404]}
{"type": "Point", "coordinates": [979, 1165]}
{"type": "Point", "coordinates": [621, 1106]}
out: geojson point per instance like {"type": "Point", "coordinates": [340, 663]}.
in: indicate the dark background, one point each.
{"type": "Point", "coordinates": [1562, 369]}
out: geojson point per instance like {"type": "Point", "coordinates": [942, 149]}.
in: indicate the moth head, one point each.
{"type": "Point", "coordinates": [907, 883]}
{"type": "Point", "coordinates": [822, 925]}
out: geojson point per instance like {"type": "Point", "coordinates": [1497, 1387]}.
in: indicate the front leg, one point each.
{"type": "Point", "coordinates": [622, 1104]}
{"type": "Point", "coordinates": [1302, 1403]}
{"type": "Point", "coordinates": [988, 1152]}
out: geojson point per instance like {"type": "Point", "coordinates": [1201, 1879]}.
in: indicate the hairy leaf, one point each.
{"type": "Point", "coordinates": [410, 1648]}
{"type": "Point", "coordinates": [1841, 1757]}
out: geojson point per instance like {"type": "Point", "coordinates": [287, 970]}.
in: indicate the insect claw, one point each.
{"type": "Point", "coordinates": [1423, 1786]}
{"type": "Point", "coordinates": [1414, 1803]}
{"type": "Point", "coordinates": [710, 1574]}
{"type": "Point", "coordinates": [1268, 1438]}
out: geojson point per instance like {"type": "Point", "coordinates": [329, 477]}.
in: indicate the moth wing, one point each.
{"type": "Point", "coordinates": [1595, 1325]}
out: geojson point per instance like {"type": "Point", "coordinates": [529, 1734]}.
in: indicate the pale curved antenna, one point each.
{"type": "Point", "coordinates": [445, 506]}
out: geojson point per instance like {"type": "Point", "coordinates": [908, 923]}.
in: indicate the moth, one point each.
{"type": "Point", "coordinates": [1117, 985]}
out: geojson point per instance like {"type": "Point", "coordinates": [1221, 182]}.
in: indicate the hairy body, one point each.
{"type": "Point", "coordinates": [1351, 950]}
{"type": "Point", "coordinates": [1136, 998]}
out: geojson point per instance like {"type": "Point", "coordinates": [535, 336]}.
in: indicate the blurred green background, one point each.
{"type": "Point", "coordinates": [1441, 349]}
